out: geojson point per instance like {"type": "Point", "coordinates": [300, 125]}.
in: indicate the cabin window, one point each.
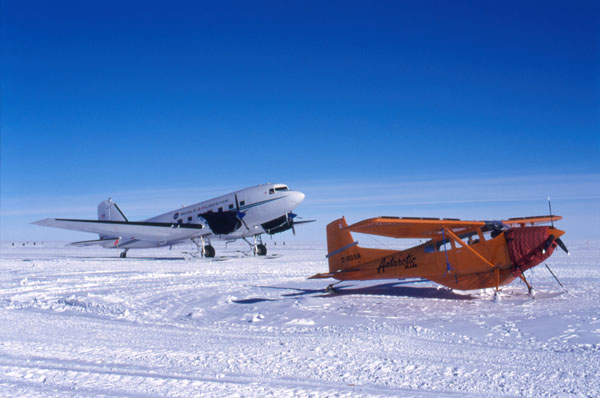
{"type": "Point", "coordinates": [281, 188]}
{"type": "Point", "coordinates": [243, 202]}
{"type": "Point", "coordinates": [230, 207]}
{"type": "Point", "coordinates": [199, 215]}
{"type": "Point", "coordinates": [429, 248]}
{"type": "Point", "coordinates": [189, 218]}
{"type": "Point", "coordinates": [179, 221]}
{"type": "Point", "coordinates": [487, 235]}
{"type": "Point", "coordinates": [470, 237]}
{"type": "Point", "coordinates": [444, 245]}
{"type": "Point", "coordinates": [271, 191]}
{"type": "Point", "coordinates": [220, 209]}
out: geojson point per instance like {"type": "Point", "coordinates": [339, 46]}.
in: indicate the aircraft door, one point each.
{"type": "Point", "coordinates": [445, 255]}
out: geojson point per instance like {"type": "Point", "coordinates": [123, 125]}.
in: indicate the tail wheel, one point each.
{"type": "Point", "coordinates": [261, 250]}
{"type": "Point", "coordinates": [209, 251]}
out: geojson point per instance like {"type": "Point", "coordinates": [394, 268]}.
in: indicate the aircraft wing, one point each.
{"type": "Point", "coordinates": [531, 220]}
{"type": "Point", "coordinates": [152, 231]}
{"type": "Point", "coordinates": [411, 228]}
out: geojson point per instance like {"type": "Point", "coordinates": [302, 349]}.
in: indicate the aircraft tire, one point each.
{"type": "Point", "coordinates": [123, 254]}
{"type": "Point", "coordinates": [209, 251]}
{"type": "Point", "coordinates": [261, 250]}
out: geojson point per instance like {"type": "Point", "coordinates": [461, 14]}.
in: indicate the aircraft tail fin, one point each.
{"type": "Point", "coordinates": [109, 211]}
{"type": "Point", "coordinates": [342, 250]}
{"type": "Point", "coordinates": [344, 255]}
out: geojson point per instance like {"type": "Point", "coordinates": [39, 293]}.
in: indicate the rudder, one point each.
{"type": "Point", "coordinates": [109, 211]}
{"type": "Point", "coordinates": [343, 251]}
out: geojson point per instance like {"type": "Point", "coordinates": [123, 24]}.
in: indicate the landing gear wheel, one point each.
{"type": "Point", "coordinates": [261, 250]}
{"type": "Point", "coordinates": [123, 254]}
{"type": "Point", "coordinates": [209, 251]}
{"type": "Point", "coordinates": [330, 289]}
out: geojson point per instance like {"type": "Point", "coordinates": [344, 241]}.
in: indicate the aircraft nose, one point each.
{"type": "Point", "coordinates": [298, 197]}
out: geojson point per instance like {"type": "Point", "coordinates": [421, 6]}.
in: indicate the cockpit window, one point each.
{"type": "Point", "coordinates": [278, 188]}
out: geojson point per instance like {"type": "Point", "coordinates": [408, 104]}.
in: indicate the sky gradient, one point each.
{"type": "Point", "coordinates": [452, 109]}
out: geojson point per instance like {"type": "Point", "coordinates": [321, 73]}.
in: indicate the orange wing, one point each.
{"type": "Point", "coordinates": [412, 228]}
{"type": "Point", "coordinates": [531, 220]}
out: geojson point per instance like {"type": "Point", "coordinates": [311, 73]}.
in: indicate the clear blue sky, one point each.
{"type": "Point", "coordinates": [480, 107]}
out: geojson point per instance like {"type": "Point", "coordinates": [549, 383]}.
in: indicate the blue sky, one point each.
{"type": "Point", "coordinates": [453, 109]}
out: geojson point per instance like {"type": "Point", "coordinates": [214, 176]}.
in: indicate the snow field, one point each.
{"type": "Point", "coordinates": [83, 322]}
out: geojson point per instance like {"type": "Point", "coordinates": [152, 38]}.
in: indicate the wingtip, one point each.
{"type": "Point", "coordinates": [43, 222]}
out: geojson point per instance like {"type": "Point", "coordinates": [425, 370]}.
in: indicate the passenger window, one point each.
{"type": "Point", "coordinates": [243, 202]}
{"type": "Point", "coordinates": [470, 237]}
{"type": "Point", "coordinates": [230, 207]}
{"type": "Point", "coordinates": [444, 245]}
{"type": "Point", "coordinates": [189, 218]}
{"type": "Point", "coordinates": [179, 221]}
{"type": "Point", "coordinates": [220, 209]}
{"type": "Point", "coordinates": [271, 191]}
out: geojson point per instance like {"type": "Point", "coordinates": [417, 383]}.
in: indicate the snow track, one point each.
{"type": "Point", "coordinates": [83, 322]}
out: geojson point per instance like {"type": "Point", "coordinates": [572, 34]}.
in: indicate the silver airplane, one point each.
{"type": "Point", "coordinates": [243, 214]}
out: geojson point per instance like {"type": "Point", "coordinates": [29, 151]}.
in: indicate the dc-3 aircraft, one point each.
{"type": "Point", "coordinates": [461, 255]}
{"type": "Point", "coordinates": [250, 212]}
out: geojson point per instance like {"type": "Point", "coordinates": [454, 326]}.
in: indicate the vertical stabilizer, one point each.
{"type": "Point", "coordinates": [109, 211]}
{"type": "Point", "coordinates": [343, 252]}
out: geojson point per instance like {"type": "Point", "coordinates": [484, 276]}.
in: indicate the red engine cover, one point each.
{"type": "Point", "coordinates": [526, 246]}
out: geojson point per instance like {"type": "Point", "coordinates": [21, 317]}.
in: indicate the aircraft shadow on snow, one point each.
{"type": "Point", "coordinates": [385, 289]}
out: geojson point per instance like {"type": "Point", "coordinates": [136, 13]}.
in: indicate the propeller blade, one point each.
{"type": "Point", "coordinates": [304, 222]}
{"type": "Point", "coordinates": [562, 245]}
{"type": "Point", "coordinates": [240, 215]}
{"type": "Point", "coordinates": [548, 243]}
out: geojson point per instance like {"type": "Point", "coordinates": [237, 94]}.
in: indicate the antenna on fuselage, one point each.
{"type": "Point", "coordinates": [550, 208]}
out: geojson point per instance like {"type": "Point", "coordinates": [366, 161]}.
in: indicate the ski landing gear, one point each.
{"type": "Point", "coordinates": [330, 288]}
{"type": "Point", "coordinates": [258, 248]}
{"type": "Point", "coordinates": [529, 287]}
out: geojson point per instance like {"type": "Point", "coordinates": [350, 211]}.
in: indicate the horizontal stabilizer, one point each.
{"type": "Point", "coordinates": [332, 274]}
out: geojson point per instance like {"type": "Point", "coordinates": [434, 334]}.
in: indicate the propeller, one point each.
{"type": "Point", "coordinates": [291, 217]}
{"type": "Point", "coordinates": [240, 214]}
{"type": "Point", "coordinates": [562, 245]}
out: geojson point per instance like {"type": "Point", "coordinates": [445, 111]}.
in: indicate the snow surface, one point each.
{"type": "Point", "coordinates": [83, 322]}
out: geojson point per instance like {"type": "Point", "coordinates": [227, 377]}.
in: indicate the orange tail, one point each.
{"type": "Point", "coordinates": [344, 254]}
{"type": "Point", "coordinates": [342, 251]}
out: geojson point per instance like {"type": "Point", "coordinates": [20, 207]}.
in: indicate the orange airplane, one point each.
{"type": "Point", "coordinates": [461, 255]}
